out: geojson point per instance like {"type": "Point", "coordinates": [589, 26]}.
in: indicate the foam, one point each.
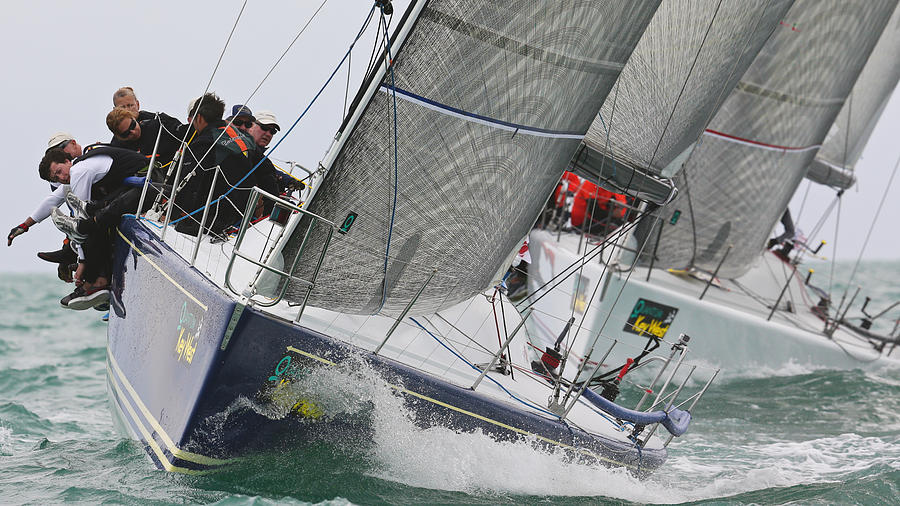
{"type": "Point", "coordinates": [781, 464]}
{"type": "Point", "coordinates": [439, 458]}
{"type": "Point", "coordinates": [6, 441]}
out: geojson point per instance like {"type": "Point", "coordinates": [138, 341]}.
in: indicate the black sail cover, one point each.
{"type": "Point", "coordinates": [739, 179]}
{"type": "Point", "coordinates": [492, 98]}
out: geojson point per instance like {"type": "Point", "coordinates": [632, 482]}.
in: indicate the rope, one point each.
{"type": "Point", "coordinates": [684, 84]}
{"type": "Point", "coordinates": [719, 100]}
{"type": "Point", "coordinates": [837, 224]}
{"type": "Point", "coordinates": [526, 403]}
{"type": "Point", "coordinates": [593, 254]}
{"type": "Point", "coordinates": [874, 220]}
{"type": "Point", "coordinates": [294, 125]}
{"type": "Point", "coordinates": [809, 184]}
{"type": "Point", "coordinates": [387, 249]}
{"type": "Point", "coordinates": [258, 86]}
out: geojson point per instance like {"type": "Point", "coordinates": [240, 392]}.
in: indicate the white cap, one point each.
{"type": "Point", "coordinates": [58, 138]}
{"type": "Point", "coordinates": [267, 118]}
{"type": "Point", "coordinates": [191, 105]}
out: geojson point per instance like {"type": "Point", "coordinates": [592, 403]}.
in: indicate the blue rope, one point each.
{"type": "Point", "coordinates": [387, 249]}
{"type": "Point", "coordinates": [283, 137]}
{"type": "Point", "coordinates": [530, 405]}
{"type": "Point", "coordinates": [639, 452]}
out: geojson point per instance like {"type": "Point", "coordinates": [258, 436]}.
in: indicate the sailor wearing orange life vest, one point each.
{"type": "Point", "coordinates": [225, 148]}
{"type": "Point", "coordinates": [583, 191]}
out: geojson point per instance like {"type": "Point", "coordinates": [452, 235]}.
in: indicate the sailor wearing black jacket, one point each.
{"type": "Point", "coordinates": [138, 134]}
{"type": "Point", "coordinates": [215, 145]}
{"type": "Point", "coordinates": [97, 178]}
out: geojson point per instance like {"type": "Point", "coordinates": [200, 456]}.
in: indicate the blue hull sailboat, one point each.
{"type": "Point", "coordinates": [383, 290]}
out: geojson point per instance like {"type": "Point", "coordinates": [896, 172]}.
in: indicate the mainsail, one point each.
{"type": "Point", "coordinates": [691, 56]}
{"type": "Point", "coordinates": [491, 100]}
{"type": "Point", "coordinates": [835, 161]}
{"type": "Point", "coordinates": [740, 177]}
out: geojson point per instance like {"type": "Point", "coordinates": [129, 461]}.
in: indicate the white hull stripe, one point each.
{"type": "Point", "coordinates": [477, 118]}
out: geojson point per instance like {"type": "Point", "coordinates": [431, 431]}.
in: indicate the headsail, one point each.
{"type": "Point", "coordinates": [492, 99]}
{"type": "Point", "coordinates": [691, 56]}
{"type": "Point", "coordinates": [741, 176]}
{"type": "Point", "coordinates": [834, 163]}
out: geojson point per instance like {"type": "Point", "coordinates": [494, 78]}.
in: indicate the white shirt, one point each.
{"type": "Point", "coordinates": [50, 202]}
{"type": "Point", "coordinates": [85, 173]}
{"type": "Point", "coordinates": [82, 176]}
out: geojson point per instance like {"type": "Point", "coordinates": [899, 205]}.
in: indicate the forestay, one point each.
{"type": "Point", "coordinates": [834, 163]}
{"type": "Point", "coordinates": [492, 99]}
{"type": "Point", "coordinates": [739, 179]}
{"type": "Point", "coordinates": [691, 56]}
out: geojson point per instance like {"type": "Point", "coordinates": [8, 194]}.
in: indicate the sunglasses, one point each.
{"type": "Point", "coordinates": [131, 126]}
{"type": "Point", "coordinates": [242, 123]}
{"type": "Point", "coordinates": [272, 129]}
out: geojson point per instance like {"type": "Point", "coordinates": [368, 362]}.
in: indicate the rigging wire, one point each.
{"type": "Point", "coordinates": [571, 337]}
{"type": "Point", "coordinates": [266, 77]}
{"type": "Point", "coordinates": [837, 224]}
{"type": "Point", "coordinates": [658, 216]}
{"type": "Point", "coordinates": [658, 211]}
{"type": "Point", "coordinates": [809, 184]}
{"type": "Point", "coordinates": [294, 125]}
{"type": "Point", "coordinates": [387, 250]}
{"type": "Point", "coordinates": [473, 366]}
{"type": "Point", "coordinates": [874, 220]}
{"type": "Point", "coordinates": [720, 100]}
{"type": "Point", "coordinates": [590, 254]}
{"type": "Point", "coordinates": [687, 79]}
{"type": "Point", "coordinates": [206, 90]}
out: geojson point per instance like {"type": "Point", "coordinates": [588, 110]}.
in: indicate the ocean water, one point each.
{"type": "Point", "coordinates": [770, 437]}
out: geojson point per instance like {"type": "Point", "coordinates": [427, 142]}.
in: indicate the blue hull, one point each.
{"type": "Point", "coordinates": [180, 356]}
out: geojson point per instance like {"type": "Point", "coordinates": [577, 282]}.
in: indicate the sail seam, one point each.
{"type": "Point", "coordinates": [477, 118]}
{"type": "Point", "coordinates": [518, 47]}
{"type": "Point", "coordinates": [787, 97]}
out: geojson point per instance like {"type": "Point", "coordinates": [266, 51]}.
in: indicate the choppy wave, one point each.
{"type": "Point", "coordinates": [794, 434]}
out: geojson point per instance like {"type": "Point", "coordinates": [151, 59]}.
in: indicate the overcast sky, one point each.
{"type": "Point", "coordinates": [64, 59]}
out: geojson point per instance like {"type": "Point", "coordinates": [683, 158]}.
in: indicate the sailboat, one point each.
{"type": "Point", "coordinates": [389, 272]}
{"type": "Point", "coordinates": [701, 267]}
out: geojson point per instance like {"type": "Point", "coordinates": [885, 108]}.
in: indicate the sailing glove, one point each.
{"type": "Point", "coordinates": [17, 230]}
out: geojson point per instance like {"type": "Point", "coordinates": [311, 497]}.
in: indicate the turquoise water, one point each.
{"type": "Point", "coordinates": [804, 436]}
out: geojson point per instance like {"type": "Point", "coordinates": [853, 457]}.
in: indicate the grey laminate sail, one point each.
{"type": "Point", "coordinates": [835, 161]}
{"type": "Point", "coordinates": [741, 176]}
{"type": "Point", "coordinates": [691, 56]}
{"type": "Point", "coordinates": [492, 99]}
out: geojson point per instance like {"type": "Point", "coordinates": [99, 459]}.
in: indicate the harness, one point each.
{"type": "Point", "coordinates": [236, 138]}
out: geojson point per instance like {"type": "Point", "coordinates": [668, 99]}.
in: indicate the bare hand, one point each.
{"type": "Point", "coordinates": [79, 274]}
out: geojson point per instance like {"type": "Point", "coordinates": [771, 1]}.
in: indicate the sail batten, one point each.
{"type": "Point", "coordinates": [491, 100]}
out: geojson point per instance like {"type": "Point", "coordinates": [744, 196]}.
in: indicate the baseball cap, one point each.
{"type": "Point", "coordinates": [267, 118]}
{"type": "Point", "coordinates": [59, 138]}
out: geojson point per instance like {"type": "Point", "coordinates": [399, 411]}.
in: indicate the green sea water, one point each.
{"type": "Point", "coordinates": [800, 435]}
